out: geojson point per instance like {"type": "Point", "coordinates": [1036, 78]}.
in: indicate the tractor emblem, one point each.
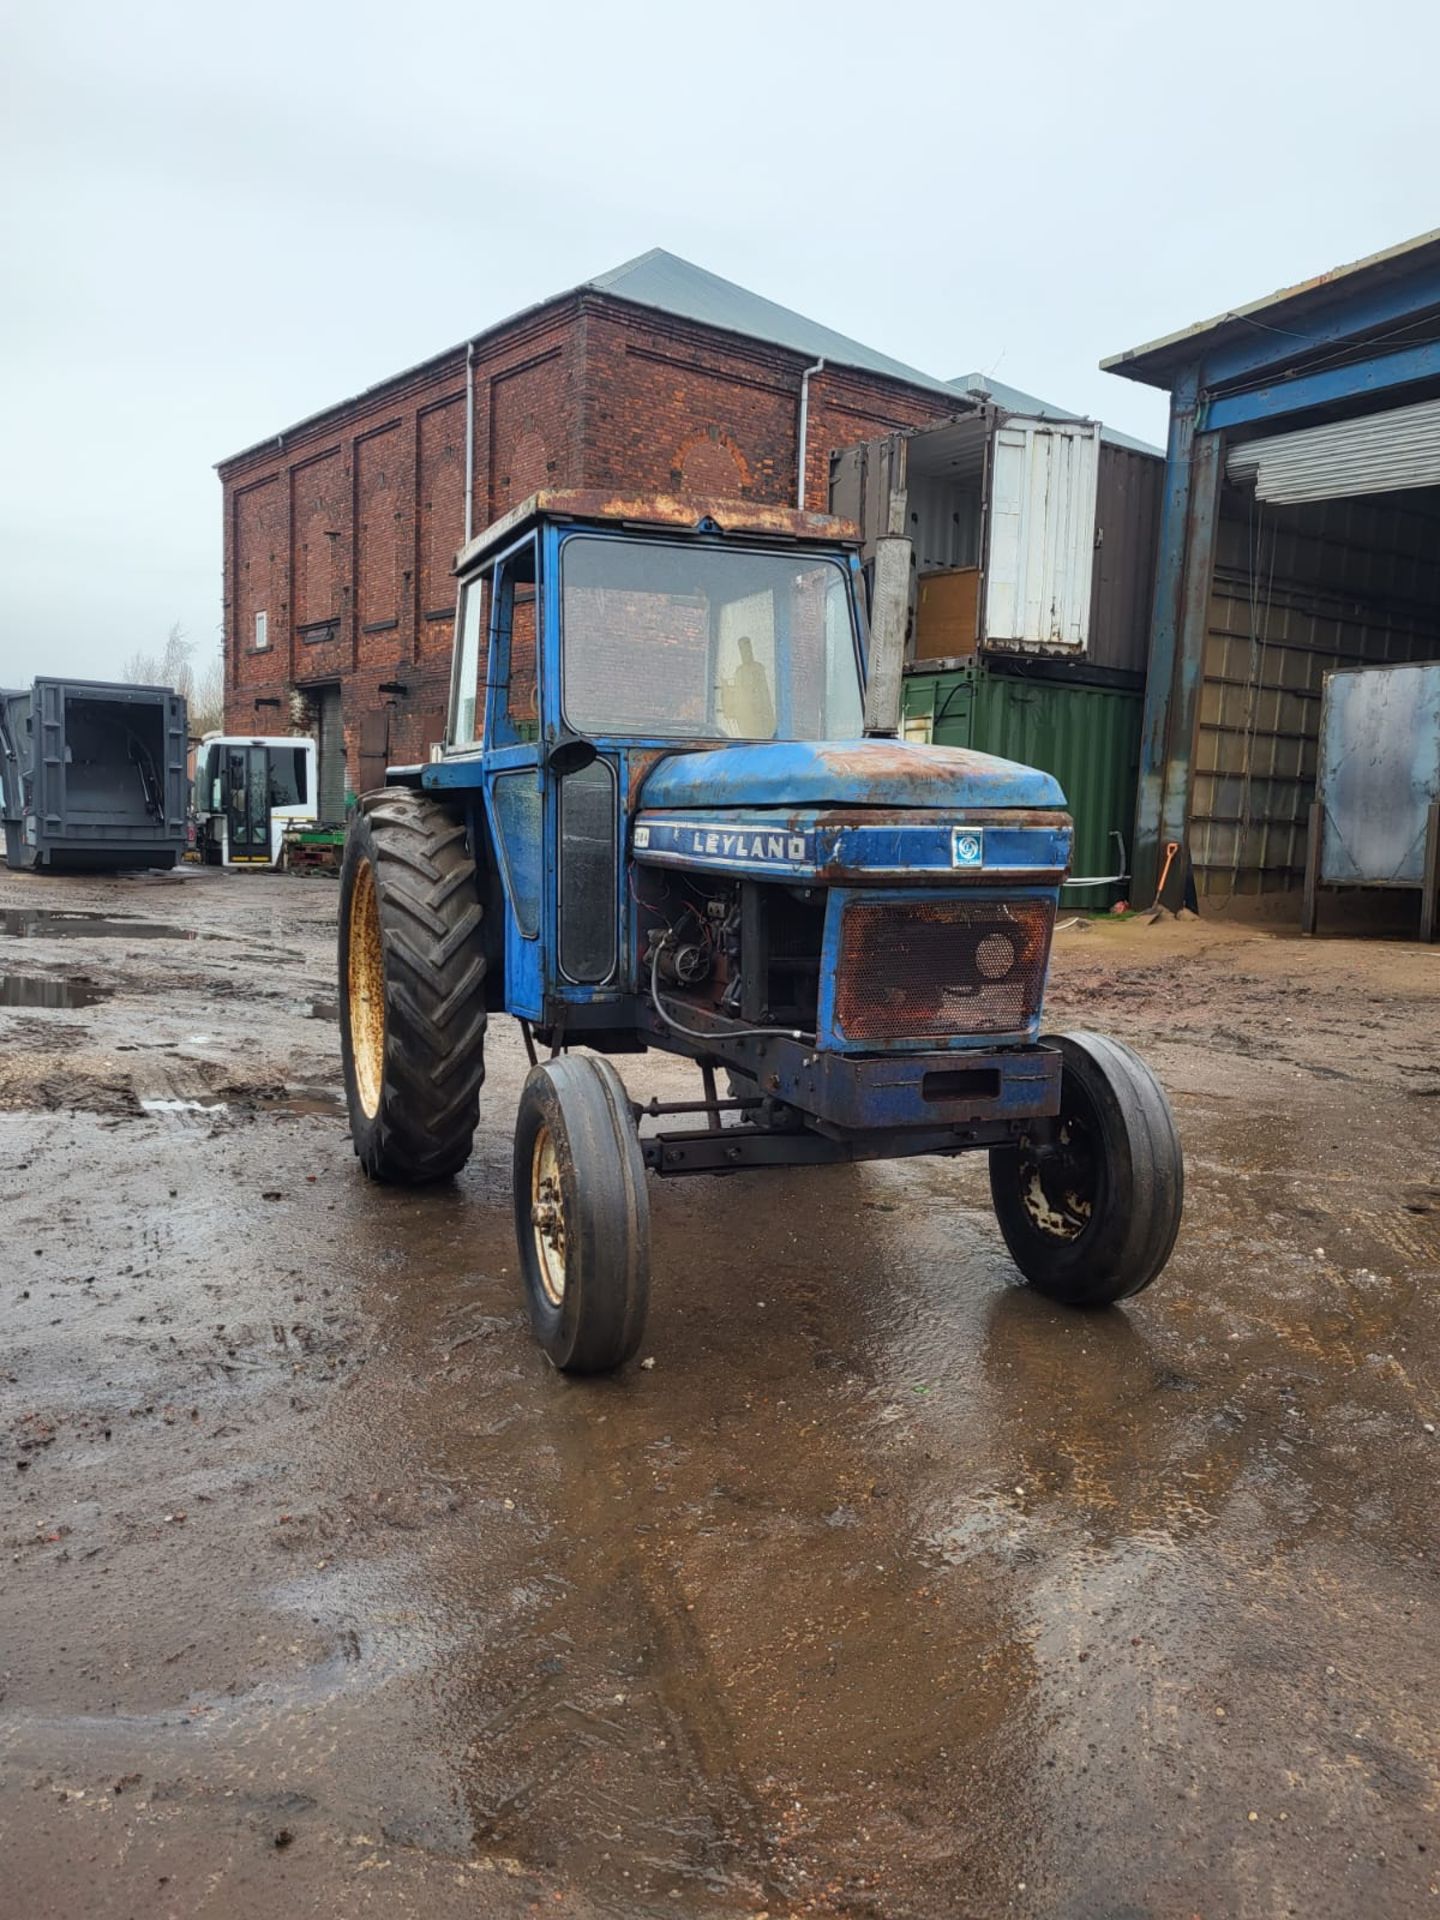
{"type": "Point", "coordinates": [968, 849]}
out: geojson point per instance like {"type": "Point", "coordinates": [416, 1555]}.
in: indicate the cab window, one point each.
{"type": "Point", "coordinates": [514, 628]}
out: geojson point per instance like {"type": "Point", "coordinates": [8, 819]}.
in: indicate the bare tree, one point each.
{"type": "Point", "coordinates": [171, 668]}
{"type": "Point", "coordinates": [207, 694]}
{"type": "Point", "coordinates": [201, 687]}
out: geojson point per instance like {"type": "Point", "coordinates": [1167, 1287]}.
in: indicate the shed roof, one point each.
{"type": "Point", "coordinates": [1156, 362]}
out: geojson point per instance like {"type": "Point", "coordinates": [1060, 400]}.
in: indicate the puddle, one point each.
{"type": "Point", "coordinates": [303, 1100]}
{"type": "Point", "coordinates": [316, 1009]}
{"type": "Point", "coordinates": [26, 923]}
{"type": "Point", "coordinates": [30, 990]}
{"type": "Point", "coordinates": [183, 1106]}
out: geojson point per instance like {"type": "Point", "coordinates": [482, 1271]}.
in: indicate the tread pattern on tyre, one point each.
{"type": "Point", "coordinates": [430, 918]}
{"type": "Point", "coordinates": [1137, 1247]}
{"type": "Point", "coordinates": [1159, 1201]}
{"type": "Point", "coordinates": [602, 1319]}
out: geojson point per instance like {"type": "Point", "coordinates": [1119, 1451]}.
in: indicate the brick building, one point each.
{"type": "Point", "coordinates": [340, 532]}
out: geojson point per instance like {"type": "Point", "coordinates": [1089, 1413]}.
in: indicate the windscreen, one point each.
{"type": "Point", "coordinates": [677, 640]}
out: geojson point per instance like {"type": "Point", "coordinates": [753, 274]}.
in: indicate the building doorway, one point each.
{"type": "Point", "coordinates": [330, 735]}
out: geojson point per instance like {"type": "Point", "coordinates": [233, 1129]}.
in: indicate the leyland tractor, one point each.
{"type": "Point", "coordinates": [671, 812]}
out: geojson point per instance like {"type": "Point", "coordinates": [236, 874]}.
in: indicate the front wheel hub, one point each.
{"type": "Point", "coordinates": [547, 1216]}
{"type": "Point", "coordinates": [1057, 1181]}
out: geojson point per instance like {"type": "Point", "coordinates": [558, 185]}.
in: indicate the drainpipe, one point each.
{"type": "Point", "coordinates": [469, 441]}
{"type": "Point", "coordinates": [804, 430]}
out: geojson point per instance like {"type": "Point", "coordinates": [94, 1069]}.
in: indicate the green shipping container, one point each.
{"type": "Point", "coordinates": [1087, 736]}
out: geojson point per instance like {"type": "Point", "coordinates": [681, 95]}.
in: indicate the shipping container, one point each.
{"type": "Point", "coordinates": [1032, 536]}
{"type": "Point", "coordinates": [93, 775]}
{"type": "Point", "coordinates": [1086, 735]}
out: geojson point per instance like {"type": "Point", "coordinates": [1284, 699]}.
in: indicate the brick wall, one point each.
{"type": "Point", "coordinates": [344, 530]}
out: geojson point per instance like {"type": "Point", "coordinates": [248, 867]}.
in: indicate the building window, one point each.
{"type": "Point", "coordinates": [262, 632]}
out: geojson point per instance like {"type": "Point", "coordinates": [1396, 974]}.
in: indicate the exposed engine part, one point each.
{"type": "Point", "coordinates": [696, 1033]}
{"type": "Point", "coordinates": [683, 963]}
{"type": "Point", "coordinates": [748, 951]}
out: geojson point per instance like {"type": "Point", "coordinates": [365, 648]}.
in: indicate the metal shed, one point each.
{"type": "Point", "coordinates": [1300, 535]}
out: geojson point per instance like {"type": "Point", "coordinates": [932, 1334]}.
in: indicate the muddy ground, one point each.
{"type": "Point", "coordinates": [889, 1591]}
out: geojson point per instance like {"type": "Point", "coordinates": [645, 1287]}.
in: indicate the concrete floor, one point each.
{"type": "Point", "coordinates": [889, 1591]}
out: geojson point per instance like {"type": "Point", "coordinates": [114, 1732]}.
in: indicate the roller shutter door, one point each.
{"type": "Point", "coordinates": [1382, 453]}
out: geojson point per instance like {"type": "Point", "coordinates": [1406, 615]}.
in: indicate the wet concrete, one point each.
{"type": "Point", "coordinates": [888, 1591]}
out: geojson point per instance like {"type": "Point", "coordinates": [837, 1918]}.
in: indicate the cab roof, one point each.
{"type": "Point", "coordinates": [597, 505]}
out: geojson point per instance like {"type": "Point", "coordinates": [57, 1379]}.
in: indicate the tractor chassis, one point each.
{"type": "Point", "coordinates": [812, 1108]}
{"type": "Point", "coordinates": [722, 1149]}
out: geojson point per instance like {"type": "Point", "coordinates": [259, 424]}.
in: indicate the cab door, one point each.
{"type": "Point", "coordinates": [514, 782]}
{"type": "Point", "coordinates": [247, 805]}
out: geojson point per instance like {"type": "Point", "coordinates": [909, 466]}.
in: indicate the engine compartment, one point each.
{"type": "Point", "coordinates": [743, 949]}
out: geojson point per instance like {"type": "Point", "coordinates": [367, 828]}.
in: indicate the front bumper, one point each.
{"type": "Point", "coordinates": [883, 1092]}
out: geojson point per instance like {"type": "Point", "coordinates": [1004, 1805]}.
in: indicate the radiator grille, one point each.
{"type": "Point", "coordinates": [916, 968]}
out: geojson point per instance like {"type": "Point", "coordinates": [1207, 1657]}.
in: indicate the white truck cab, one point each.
{"type": "Point", "coordinates": [248, 790]}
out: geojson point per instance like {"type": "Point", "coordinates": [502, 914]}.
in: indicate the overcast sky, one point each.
{"type": "Point", "coordinates": [218, 219]}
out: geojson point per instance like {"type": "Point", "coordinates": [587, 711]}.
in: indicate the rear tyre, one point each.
{"type": "Point", "coordinates": [582, 1214]}
{"type": "Point", "coordinates": [1090, 1208]}
{"type": "Point", "coordinates": [412, 988]}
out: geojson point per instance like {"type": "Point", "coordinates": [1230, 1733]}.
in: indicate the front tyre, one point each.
{"type": "Point", "coordinates": [582, 1214]}
{"type": "Point", "coordinates": [1090, 1206]}
{"type": "Point", "coordinates": [412, 988]}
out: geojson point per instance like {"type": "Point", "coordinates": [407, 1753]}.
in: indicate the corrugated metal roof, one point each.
{"type": "Point", "coordinates": [1153, 361]}
{"type": "Point", "coordinates": [663, 280]}
{"type": "Point", "coordinates": [980, 386]}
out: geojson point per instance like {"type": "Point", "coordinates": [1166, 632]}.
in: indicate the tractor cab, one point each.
{"type": "Point", "coordinates": [671, 812]}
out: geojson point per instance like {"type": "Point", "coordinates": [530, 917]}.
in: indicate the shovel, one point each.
{"type": "Point", "coordinates": [1155, 911]}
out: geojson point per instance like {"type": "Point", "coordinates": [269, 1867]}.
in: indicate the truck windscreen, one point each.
{"type": "Point", "coordinates": [678, 640]}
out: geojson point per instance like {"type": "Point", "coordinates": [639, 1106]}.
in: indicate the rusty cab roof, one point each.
{"type": "Point", "coordinates": [654, 510]}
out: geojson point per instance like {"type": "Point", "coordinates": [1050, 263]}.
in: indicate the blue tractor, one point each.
{"type": "Point", "coordinates": [671, 811]}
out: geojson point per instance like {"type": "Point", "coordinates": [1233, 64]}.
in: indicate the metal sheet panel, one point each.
{"type": "Point", "coordinates": [1379, 773]}
{"type": "Point", "coordinates": [944, 518]}
{"type": "Point", "coordinates": [863, 479]}
{"type": "Point", "coordinates": [1127, 539]}
{"type": "Point", "coordinates": [1041, 536]}
{"type": "Point", "coordinates": [1379, 453]}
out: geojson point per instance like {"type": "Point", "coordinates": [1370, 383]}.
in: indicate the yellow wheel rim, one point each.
{"type": "Point", "coordinates": [547, 1216]}
{"type": "Point", "coordinates": [365, 989]}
